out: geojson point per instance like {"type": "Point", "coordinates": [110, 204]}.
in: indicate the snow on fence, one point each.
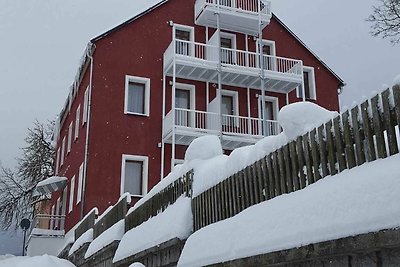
{"type": "Point", "coordinates": [160, 201]}
{"type": "Point", "coordinates": [363, 134]}
{"type": "Point", "coordinates": [86, 224]}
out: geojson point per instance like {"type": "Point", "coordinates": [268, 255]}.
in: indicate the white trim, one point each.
{"type": "Point", "coordinates": [62, 151]}
{"type": "Point", "coordinates": [71, 194]}
{"type": "Point", "coordinates": [80, 185]}
{"type": "Point", "coordinates": [85, 106]}
{"type": "Point", "coordinates": [145, 160]}
{"type": "Point", "coordinates": [77, 123]}
{"type": "Point", "coordinates": [51, 217]}
{"type": "Point", "coordinates": [231, 36]}
{"type": "Point", "coordinates": [183, 28]}
{"type": "Point", "coordinates": [269, 43]}
{"type": "Point", "coordinates": [69, 143]}
{"type": "Point", "coordinates": [57, 160]}
{"type": "Point", "coordinates": [146, 82]}
{"type": "Point", "coordinates": [275, 102]}
{"type": "Point", "coordinates": [235, 95]}
{"type": "Point", "coordinates": [192, 89]}
{"type": "Point", "coordinates": [313, 90]}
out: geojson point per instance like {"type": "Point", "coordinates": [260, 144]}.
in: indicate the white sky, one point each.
{"type": "Point", "coordinates": [41, 42]}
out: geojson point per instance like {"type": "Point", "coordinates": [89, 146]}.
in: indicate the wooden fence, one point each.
{"type": "Point", "coordinates": [86, 224]}
{"type": "Point", "coordinates": [160, 201]}
{"type": "Point", "coordinates": [116, 214]}
{"type": "Point", "coordinates": [363, 134]}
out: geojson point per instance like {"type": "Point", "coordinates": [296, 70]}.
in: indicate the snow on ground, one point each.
{"type": "Point", "coordinates": [364, 199]}
{"type": "Point", "coordinates": [175, 222]}
{"type": "Point", "coordinates": [209, 173]}
{"type": "Point", "coordinates": [83, 239]}
{"type": "Point", "coordinates": [113, 233]}
{"type": "Point", "coordinates": [42, 261]}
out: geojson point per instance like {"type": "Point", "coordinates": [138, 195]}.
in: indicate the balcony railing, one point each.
{"type": "Point", "coordinates": [231, 58]}
{"type": "Point", "coordinates": [251, 6]}
{"type": "Point", "coordinates": [44, 224]}
{"type": "Point", "coordinates": [209, 122]}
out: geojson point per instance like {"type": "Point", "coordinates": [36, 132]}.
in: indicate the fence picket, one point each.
{"type": "Point", "coordinates": [331, 148]}
{"type": "Point", "coordinates": [378, 127]}
{"type": "Point", "coordinates": [315, 155]}
{"type": "Point", "coordinates": [307, 157]}
{"type": "Point", "coordinates": [247, 188]}
{"type": "Point", "coordinates": [371, 155]}
{"type": "Point", "coordinates": [295, 169]}
{"type": "Point", "coordinates": [348, 140]}
{"type": "Point", "coordinates": [288, 169]}
{"type": "Point", "coordinates": [275, 168]}
{"type": "Point", "coordinates": [282, 172]}
{"type": "Point", "coordinates": [322, 150]}
{"type": "Point", "coordinates": [358, 134]}
{"type": "Point", "coordinates": [254, 179]}
{"type": "Point", "coordinates": [271, 177]}
{"type": "Point", "coordinates": [261, 181]}
{"type": "Point", "coordinates": [242, 187]}
{"type": "Point", "coordinates": [389, 124]}
{"type": "Point", "coordinates": [396, 100]}
{"type": "Point", "coordinates": [300, 154]}
{"type": "Point", "coordinates": [339, 144]}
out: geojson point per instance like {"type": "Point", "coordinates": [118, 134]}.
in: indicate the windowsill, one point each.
{"type": "Point", "coordinates": [137, 114]}
{"type": "Point", "coordinates": [313, 99]}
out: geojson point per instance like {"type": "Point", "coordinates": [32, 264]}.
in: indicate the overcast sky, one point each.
{"type": "Point", "coordinates": [41, 42]}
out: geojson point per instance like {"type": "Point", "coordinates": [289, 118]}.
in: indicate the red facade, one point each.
{"type": "Point", "coordinates": [136, 48]}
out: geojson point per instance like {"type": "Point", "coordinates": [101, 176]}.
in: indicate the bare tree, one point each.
{"type": "Point", "coordinates": [36, 164]}
{"type": "Point", "coordinates": [385, 20]}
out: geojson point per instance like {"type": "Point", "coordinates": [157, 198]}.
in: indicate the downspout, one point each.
{"type": "Point", "coordinates": [89, 54]}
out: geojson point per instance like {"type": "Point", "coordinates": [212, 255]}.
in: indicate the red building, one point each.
{"type": "Point", "coordinates": [179, 70]}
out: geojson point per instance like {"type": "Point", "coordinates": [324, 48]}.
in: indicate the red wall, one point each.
{"type": "Point", "coordinates": [137, 49]}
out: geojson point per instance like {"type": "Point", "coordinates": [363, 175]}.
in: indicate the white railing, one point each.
{"type": "Point", "coordinates": [213, 122]}
{"type": "Point", "coordinates": [48, 222]}
{"type": "Point", "coordinates": [250, 6]}
{"type": "Point", "coordinates": [232, 57]}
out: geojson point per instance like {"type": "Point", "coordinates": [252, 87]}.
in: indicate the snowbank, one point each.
{"type": "Point", "coordinates": [175, 222]}
{"type": "Point", "coordinates": [205, 147]}
{"type": "Point", "coordinates": [42, 261]}
{"type": "Point", "coordinates": [86, 237]}
{"type": "Point", "coordinates": [113, 233]}
{"type": "Point", "coordinates": [299, 118]}
{"type": "Point", "coordinates": [361, 200]}
{"type": "Point", "coordinates": [137, 264]}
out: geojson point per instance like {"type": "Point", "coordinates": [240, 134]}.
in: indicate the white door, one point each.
{"type": "Point", "coordinates": [270, 114]}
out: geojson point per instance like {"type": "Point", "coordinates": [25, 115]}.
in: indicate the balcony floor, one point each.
{"type": "Point", "coordinates": [203, 70]}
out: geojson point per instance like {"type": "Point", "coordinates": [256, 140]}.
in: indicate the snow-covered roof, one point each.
{"type": "Point", "coordinates": [52, 184]}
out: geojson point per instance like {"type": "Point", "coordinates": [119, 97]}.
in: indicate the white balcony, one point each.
{"type": "Point", "coordinates": [48, 225]}
{"type": "Point", "coordinates": [242, 16]}
{"type": "Point", "coordinates": [236, 131]}
{"type": "Point", "coordinates": [197, 61]}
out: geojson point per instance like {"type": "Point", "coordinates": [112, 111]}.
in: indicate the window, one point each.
{"type": "Point", "coordinates": [85, 106]}
{"type": "Point", "coordinates": [185, 101]}
{"type": "Point", "coordinates": [69, 137]}
{"type": "Point", "coordinates": [269, 62]}
{"type": "Point", "coordinates": [52, 217]}
{"type": "Point", "coordinates": [134, 174]}
{"type": "Point", "coordinates": [77, 124]}
{"type": "Point", "coordinates": [185, 36]}
{"type": "Point", "coordinates": [309, 84]}
{"type": "Point", "coordinates": [58, 206]}
{"type": "Point", "coordinates": [71, 194]}
{"type": "Point", "coordinates": [270, 113]}
{"type": "Point", "coordinates": [229, 107]}
{"type": "Point", "coordinates": [57, 160]}
{"type": "Point", "coordinates": [137, 95]}
{"type": "Point", "coordinates": [80, 185]}
{"type": "Point", "coordinates": [62, 151]}
{"type": "Point", "coordinates": [228, 45]}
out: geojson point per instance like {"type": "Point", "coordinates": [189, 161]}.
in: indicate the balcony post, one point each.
{"type": "Point", "coordinates": [261, 57]}
{"type": "Point", "coordinates": [173, 98]}
{"type": "Point", "coordinates": [219, 95]}
{"type": "Point", "coordinates": [163, 127]}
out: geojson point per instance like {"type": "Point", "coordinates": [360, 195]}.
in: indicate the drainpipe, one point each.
{"type": "Point", "coordinates": [89, 54]}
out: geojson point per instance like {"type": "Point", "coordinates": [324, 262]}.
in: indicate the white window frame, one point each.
{"type": "Point", "coordinates": [71, 194]}
{"type": "Point", "coordinates": [235, 95]}
{"type": "Point", "coordinates": [62, 151]}
{"type": "Point", "coordinates": [57, 214]}
{"type": "Point", "coordinates": [231, 36]}
{"type": "Point", "coordinates": [77, 122]}
{"type": "Point", "coordinates": [146, 82]}
{"type": "Point", "coordinates": [269, 43]}
{"type": "Point", "coordinates": [53, 208]}
{"type": "Point", "coordinates": [313, 89]}
{"type": "Point", "coordinates": [275, 102]}
{"type": "Point", "coordinates": [69, 143]}
{"type": "Point", "coordinates": [185, 28]}
{"type": "Point", "coordinates": [85, 106]}
{"type": "Point", "coordinates": [145, 172]}
{"type": "Point", "coordinates": [57, 161]}
{"type": "Point", "coordinates": [192, 90]}
{"type": "Point", "coordinates": [80, 185]}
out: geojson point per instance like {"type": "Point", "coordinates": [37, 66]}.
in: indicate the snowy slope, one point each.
{"type": "Point", "coordinates": [364, 199]}
{"type": "Point", "coordinates": [40, 261]}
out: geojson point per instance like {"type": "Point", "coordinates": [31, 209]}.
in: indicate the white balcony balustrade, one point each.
{"type": "Point", "coordinates": [197, 61]}
{"type": "Point", "coordinates": [242, 16]}
{"type": "Point", "coordinates": [236, 130]}
{"type": "Point", "coordinates": [48, 225]}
